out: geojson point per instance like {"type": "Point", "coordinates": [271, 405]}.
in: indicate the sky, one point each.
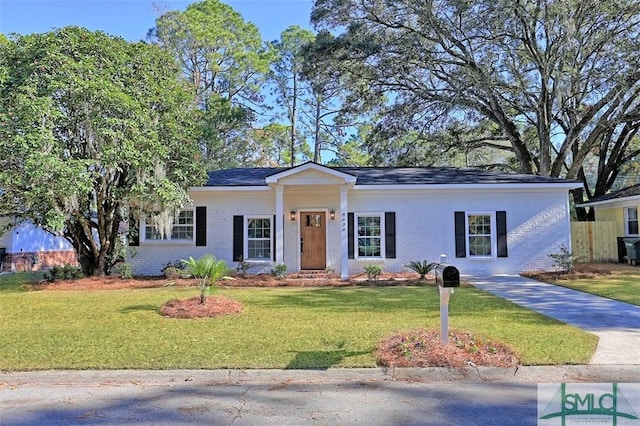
{"type": "Point", "coordinates": [131, 19]}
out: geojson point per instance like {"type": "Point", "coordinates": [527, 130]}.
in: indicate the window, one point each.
{"type": "Point", "coordinates": [481, 234]}
{"type": "Point", "coordinates": [371, 235]}
{"type": "Point", "coordinates": [181, 229]}
{"type": "Point", "coordinates": [632, 220]}
{"type": "Point", "coordinates": [258, 239]}
{"type": "Point", "coordinates": [369, 238]}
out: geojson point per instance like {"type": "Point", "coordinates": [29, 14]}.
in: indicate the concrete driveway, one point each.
{"type": "Point", "coordinates": [617, 324]}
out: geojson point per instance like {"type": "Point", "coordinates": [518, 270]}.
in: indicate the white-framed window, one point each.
{"type": "Point", "coordinates": [481, 234]}
{"type": "Point", "coordinates": [369, 235]}
{"type": "Point", "coordinates": [631, 219]}
{"type": "Point", "coordinates": [182, 228]}
{"type": "Point", "coordinates": [258, 238]}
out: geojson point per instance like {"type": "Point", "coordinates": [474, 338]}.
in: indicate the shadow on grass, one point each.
{"type": "Point", "coordinates": [139, 308]}
{"type": "Point", "coordinates": [20, 281]}
{"type": "Point", "coordinates": [321, 359]}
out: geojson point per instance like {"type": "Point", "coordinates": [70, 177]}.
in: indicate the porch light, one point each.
{"type": "Point", "coordinates": [332, 214]}
{"type": "Point", "coordinates": [292, 215]}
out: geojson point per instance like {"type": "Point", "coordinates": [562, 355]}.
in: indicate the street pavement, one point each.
{"type": "Point", "coordinates": [617, 324]}
{"type": "Point", "coordinates": [424, 396]}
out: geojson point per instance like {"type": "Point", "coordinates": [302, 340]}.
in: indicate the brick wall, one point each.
{"type": "Point", "coordinates": [36, 261]}
{"type": "Point", "coordinates": [537, 225]}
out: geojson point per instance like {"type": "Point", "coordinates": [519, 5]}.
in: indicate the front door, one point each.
{"type": "Point", "coordinates": [313, 239]}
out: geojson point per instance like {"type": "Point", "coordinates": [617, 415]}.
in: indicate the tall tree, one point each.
{"type": "Point", "coordinates": [289, 83]}
{"type": "Point", "coordinates": [89, 126]}
{"type": "Point", "coordinates": [227, 61]}
{"type": "Point", "coordinates": [311, 99]}
{"type": "Point", "coordinates": [566, 71]}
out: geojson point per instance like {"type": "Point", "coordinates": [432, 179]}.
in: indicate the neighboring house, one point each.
{"type": "Point", "coordinates": [312, 217]}
{"type": "Point", "coordinates": [26, 247]}
{"type": "Point", "coordinates": [621, 208]}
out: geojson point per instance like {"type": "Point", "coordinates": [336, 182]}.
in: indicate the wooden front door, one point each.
{"type": "Point", "coordinates": [313, 239]}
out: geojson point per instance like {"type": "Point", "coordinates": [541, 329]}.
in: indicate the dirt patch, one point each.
{"type": "Point", "coordinates": [423, 348]}
{"type": "Point", "coordinates": [192, 308]}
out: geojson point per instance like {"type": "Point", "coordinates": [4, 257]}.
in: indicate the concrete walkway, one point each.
{"type": "Point", "coordinates": [617, 324]}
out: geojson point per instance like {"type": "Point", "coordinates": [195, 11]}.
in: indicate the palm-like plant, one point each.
{"type": "Point", "coordinates": [206, 269]}
{"type": "Point", "coordinates": [422, 268]}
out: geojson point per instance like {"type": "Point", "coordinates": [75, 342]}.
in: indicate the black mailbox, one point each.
{"type": "Point", "coordinates": [447, 275]}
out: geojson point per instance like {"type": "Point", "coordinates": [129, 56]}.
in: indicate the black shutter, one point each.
{"type": "Point", "coordinates": [350, 236]}
{"type": "Point", "coordinates": [273, 238]}
{"type": "Point", "coordinates": [390, 235]}
{"type": "Point", "coordinates": [461, 243]}
{"type": "Point", "coordinates": [238, 238]}
{"type": "Point", "coordinates": [134, 232]}
{"type": "Point", "coordinates": [201, 226]}
{"type": "Point", "coordinates": [501, 231]}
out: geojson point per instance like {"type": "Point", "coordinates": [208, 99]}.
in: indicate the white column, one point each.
{"type": "Point", "coordinates": [344, 234]}
{"type": "Point", "coordinates": [279, 224]}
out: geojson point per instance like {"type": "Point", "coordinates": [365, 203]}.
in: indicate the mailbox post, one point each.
{"type": "Point", "coordinates": [447, 278]}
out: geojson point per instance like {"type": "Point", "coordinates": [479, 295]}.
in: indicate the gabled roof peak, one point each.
{"type": "Point", "coordinates": [302, 168]}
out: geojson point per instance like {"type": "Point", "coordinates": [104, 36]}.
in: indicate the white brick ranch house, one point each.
{"type": "Point", "coordinates": [313, 217]}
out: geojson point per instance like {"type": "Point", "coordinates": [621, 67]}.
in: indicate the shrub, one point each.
{"type": "Point", "coordinates": [565, 260]}
{"type": "Point", "coordinates": [66, 272]}
{"type": "Point", "coordinates": [173, 270]}
{"type": "Point", "coordinates": [126, 270]}
{"type": "Point", "coordinates": [373, 272]}
{"type": "Point", "coordinates": [422, 268]}
{"type": "Point", "coordinates": [279, 271]}
{"type": "Point", "coordinates": [242, 267]}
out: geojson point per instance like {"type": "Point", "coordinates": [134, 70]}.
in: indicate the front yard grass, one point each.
{"type": "Point", "coordinates": [615, 281]}
{"type": "Point", "coordinates": [279, 328]}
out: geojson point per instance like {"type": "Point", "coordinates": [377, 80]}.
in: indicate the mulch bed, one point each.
{"type": "Point", "coordinates": [192, 308]}
{"type": "Point", "coordinates": [423, 348]}
{"type": "Point", "coordinates": [580, 271]}
{"type": "Point", "coordinates": [113, 282]}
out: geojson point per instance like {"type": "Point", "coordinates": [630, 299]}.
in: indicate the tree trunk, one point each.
{"type": "Point", "coordinates": [316, 138]}
{"type": "Point", "coordinates": [294, 120]}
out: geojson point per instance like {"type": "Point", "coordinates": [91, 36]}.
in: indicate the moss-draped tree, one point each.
{"type": "Point", "coordinates": [90, 123]}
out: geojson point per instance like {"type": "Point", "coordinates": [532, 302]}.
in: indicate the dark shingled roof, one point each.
{"type": "Point", "coordinates": [386, 176]}
{"type": "Point", "coordinates": [623, 193]}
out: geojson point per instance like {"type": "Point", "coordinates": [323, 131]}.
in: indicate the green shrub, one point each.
{"type": "Point", "coordinates": [373, 272]}
{"type": "Point", "coordinates": [173, 270]}
{"type": "Point", "coordinates": [126, 270]}
{"type": "Point", "coordinates": [422, 268]}
{"type": "Point", "coordinates": [66, 272]}
{"type": "Point", "coordinates": [279, 271]}
{"type": "Point", "coordinates": [564, 261]}
{"type": "Point", "coordinates": [242, 267]}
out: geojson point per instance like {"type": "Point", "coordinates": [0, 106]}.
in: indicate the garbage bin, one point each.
{"type": "Point", "coordinates": [632, 246]}
{"type": "Point", "coordinates": [3, 255]}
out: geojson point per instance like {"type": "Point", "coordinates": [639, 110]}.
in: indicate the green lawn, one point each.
{"type": "Point", "coordinates": [279, 328]}
{"type": "Point", "coordinates": [623, 283]}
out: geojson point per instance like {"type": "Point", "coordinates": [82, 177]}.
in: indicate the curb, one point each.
{"type": "Point", "coordinates": [526, 374]}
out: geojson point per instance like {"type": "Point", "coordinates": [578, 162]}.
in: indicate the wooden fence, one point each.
{"type": "Point", "coordinates": [594, 241]}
